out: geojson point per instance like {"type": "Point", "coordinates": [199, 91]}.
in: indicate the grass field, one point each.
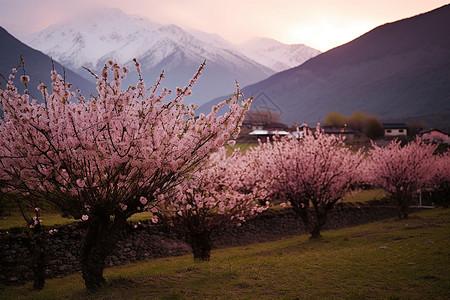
{"type": "Point", "coordinates": [407, 259]}
{"type": "Point", "coordinates": [364, 196]}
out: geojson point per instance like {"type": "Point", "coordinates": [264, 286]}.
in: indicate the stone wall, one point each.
{"type": "Point", "coordinates": [146, 240]}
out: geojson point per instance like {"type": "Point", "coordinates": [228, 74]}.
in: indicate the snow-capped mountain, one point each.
{"type": "Point", "coordinates": [110, 34]}
{"type": "Point", "coordinates": [276, 55]}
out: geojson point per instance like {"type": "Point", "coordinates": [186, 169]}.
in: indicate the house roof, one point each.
{"type": "Point", "coordinates": [395, 126]}
{"type": "Point", "coordinates": [269, 125]}
{"type": "Point", "coordinates": [269, 132]}
{"type": "Point", "coordinates": [254, 123]}
{"type": "Point", "coordinates": [430, 130]}
{"type": "Point", "coordinates": [334, 130]}
{"type": "Point", "coordinates": [259, 132]}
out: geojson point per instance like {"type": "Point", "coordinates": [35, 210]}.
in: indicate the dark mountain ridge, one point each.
{"type": "Point", "coordinates": [398, 71]}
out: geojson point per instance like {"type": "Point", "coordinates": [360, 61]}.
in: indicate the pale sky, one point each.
{"type": "Point", "coordinates": [321, 24]}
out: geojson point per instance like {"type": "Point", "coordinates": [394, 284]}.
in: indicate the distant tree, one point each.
{"type": "Point", "coordinates": [104, 159]}
{"type": "Point", "coordinates": [357, 121]}
{"type": "Point", "coordinates": [369, 125]}
{"type": "Point", "coordinates": [415, 126]}
{"type": "Point", "coordinates": [441, 178]}
{"type": "Point", "coordinates": [335, 119]}
{"type": "Point", "coordinates": [212, 197]}
{"type": "Point", "coordinates": [315, 171]}
{"type": "Point", "coordinates": [401, 171]}
{"type": "Point", "coordinates": [373, 128]}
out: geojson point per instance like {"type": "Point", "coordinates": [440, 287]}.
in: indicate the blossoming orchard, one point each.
{"type": "Point", "coordinates": [103, 159]}
{"type": "Point", "coordinates": [97, 159]}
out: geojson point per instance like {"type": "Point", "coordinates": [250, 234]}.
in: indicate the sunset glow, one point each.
{"type": "Point", "coordinates": [326, 34]}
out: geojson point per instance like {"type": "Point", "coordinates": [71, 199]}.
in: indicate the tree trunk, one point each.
{"type": "Point", "coordinates": [403, 206]}
{"type": "Point", "coordinates": [320, 220]}
{"type": "Point", "coordinates": [445, 196]}
{"type": "Point", "coordinates": [100, 239]}
{"type": "Point", "coordinates": [37, 246]}
{"type": "Point", "coordinates": [303, 212]}
{"type": "Point", "coordinates": [201, 244]}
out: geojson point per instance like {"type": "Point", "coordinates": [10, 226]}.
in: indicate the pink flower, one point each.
{"type": "Point", "coordinates": [84, 217]}
{"type": "Point", "coordinates": [81, 183]}
{"type": "Point", "coordinates": [25, 79]}
{"type": "Point", "coordinates": [231, 143]}
{"type": "Point", "coordinates": [143, 200]}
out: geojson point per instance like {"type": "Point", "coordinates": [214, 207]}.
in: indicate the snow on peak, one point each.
{"type": "Point", "coordinates": [276, 55]}
{"type": "Point", "coordinates": [110, 33]}
{"type": "Point", "coordinates": [84, 41]}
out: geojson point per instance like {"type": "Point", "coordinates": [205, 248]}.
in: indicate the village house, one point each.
{"type": "Point", "coordinates": [347, 133]}
{"type": "Point", "coordinates": [262, 130]}
{"type": "Point", "coordinates": [434, 136]}
{"type": "Point", "coordinates": [395, 129]}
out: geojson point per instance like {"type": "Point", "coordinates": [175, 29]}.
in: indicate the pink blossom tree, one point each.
{"type": "Point", "coordinates": [105, 158]}
{"type": "Point", "coordinates": [214, 196]}
{"type": "Point", "coordinates": [441, 178]}
{"type": "Point", "coordinates": [401, 171]}
{"type": "Point", "coordinates": [314, 171]}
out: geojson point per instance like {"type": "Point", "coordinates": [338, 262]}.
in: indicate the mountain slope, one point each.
{"type": "Point", "coordinates": [111, 34]}
{"type": "Point", "coordinates": [399, 70]}
{"type": "Point", "coordinates": [37, 66]}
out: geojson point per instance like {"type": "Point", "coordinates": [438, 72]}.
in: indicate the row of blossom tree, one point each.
{"type": "Point", "coordinates": [316, 171]}
{"type": "Point", "coordinates": [104, 159]}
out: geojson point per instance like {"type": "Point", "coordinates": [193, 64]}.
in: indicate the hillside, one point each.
{"type": "Point", "coordinates": [37, 66]}
{"type": "Point", "coordinates": [398, 71]}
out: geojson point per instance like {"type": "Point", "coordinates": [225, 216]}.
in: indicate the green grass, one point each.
{"type": "Point", "coordinates": [365, 196]}
{"type": "Point", "coordinates": [243, 146]}
{"type": "Point", "coordinates": [54, 219]}
{"type": "Point", "coordinates": [48, 219]}
{"type": "Point", "coordinates": [407, 259]}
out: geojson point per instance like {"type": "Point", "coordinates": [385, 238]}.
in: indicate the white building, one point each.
{"type": "Point", "coordinates": [395, 129]}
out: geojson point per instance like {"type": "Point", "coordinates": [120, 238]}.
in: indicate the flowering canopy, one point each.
{"type": "Point", "coordinates": [315, 170]}
{"type": "Point", "coordinates": [106, 152]}
{"type": "Point", "coordinates": [105, 158]}
{"type": "Point", "coordinates": [215, 189]}
{"type": "Point", "coordinates": [213, 196]}
{"type": "Point", "coordinates": [441, 177]}
{"type": "Point", "coordinates": [401, 171]}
